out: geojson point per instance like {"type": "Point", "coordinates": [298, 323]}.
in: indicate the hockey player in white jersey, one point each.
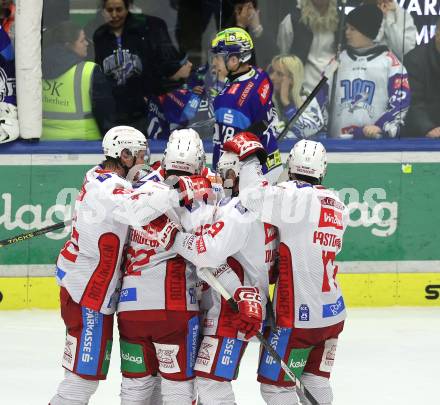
{"type": "Point", "coordinates": [159, 173]}
{"type": "Point", "coordinates": [158, 311]}
{"type": "Point", "coordinates": [372, 93]}
{"type": "Point", "coordinates": [88, 266]}
{"type": "Point", "coordinates": [240, 250]}
{"type": "Point", "coordinates": [308, 302]}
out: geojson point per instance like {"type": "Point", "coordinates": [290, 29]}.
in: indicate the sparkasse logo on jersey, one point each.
{"type": "Point", "coordinates": [330, 218]}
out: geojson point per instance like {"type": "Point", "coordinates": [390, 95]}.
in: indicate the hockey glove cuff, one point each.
{"type": "Point", "coordinates": [246, 144]}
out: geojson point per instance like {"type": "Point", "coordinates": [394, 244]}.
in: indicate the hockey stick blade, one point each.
{"type": "Point", "coordinates": [214, 283]}
{"type": "Point", "coordinates": [29, 235]}
{"type": "Point", "coordinates": [304, 105]}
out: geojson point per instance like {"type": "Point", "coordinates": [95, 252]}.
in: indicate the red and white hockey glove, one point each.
{"type": "Point", "coordinates": [202, 188]}
{"type": "Point", "coordinates": [191, 188]}
{"type": "Point", "coordinates": [184, 186]}
{"type": "Point", "coordinates": [244, 145]}
{"type": "Point", "coordinates": [165, 229]}
{"type": "Point", "coordinates": [250, 316]}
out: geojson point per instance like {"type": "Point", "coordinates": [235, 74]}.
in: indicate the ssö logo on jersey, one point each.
{"type": "Point", "coordinates": [330, 310]}
{"type": "Point", "coordinates": [330, 218]}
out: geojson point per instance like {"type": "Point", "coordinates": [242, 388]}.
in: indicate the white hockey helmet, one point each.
{"type": "Point", "coordinates": [183, 152]}
{"type": "Point", "coordinates": [123, 137]}
{"type": "Point", "coordinates": [228, 161]}
{"type": "Point", "coordinates": [308, 158]}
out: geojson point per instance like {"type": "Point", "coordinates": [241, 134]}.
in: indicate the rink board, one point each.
{"type": "Point", "coordinates": [360, 290]}
{"type": "Point", "coordinates": [394, 260]}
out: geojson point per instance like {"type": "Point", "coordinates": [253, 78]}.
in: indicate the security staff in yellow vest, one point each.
{"type": "Point", "coordinates": [77, 99]}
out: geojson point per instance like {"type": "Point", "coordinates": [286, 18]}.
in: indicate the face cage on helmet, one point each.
{"type": "Point", "coordinates": [226, 56]}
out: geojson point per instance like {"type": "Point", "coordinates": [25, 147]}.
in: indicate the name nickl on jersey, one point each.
{"type": "Point", "coordinates": [326, 239]}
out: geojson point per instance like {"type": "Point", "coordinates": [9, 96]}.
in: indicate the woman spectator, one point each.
{"type": "Point", "coordinates": [77, 98]}
{"type": "Point", "coordinates": [287, 75]}
{"type": "Point", "coordinates": [131, 49]}
{"type": "Point", "coordinates": [310, 32]}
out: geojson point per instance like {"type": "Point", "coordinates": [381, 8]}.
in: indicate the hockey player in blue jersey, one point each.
{"type": "Point", "coordinates": [245, 103]}
{"type": "Point", "coordinates": [177, 104]}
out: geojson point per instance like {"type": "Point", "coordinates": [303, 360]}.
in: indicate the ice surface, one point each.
{"type": "Point", "coordinates": [385, 357]}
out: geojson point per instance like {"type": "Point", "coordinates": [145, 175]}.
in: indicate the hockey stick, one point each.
{"type": "Point", "coordinates": [213, 282]}
{"type": "Point", "coordinates": [304, 105]}
{"type": "Point", "coordinates": [29, 235]}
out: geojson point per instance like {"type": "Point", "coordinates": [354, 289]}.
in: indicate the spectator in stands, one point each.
{"type": "Point", "coordinates": [7, 17]}
{"type": "Point", "coordinates": [131, 49]}
{"type": "Point", "coordinates": [310, 32]}
{"type": "Point", "coordinates": [55, 12]}
{"type": "Point", "coordinates": [398, 31]}
{"type": "Point", "coordinates": [193, 17]}
{"type": "Point", "coordinates": [246, 15]}
{"type": "Point", "coordinates": [9, 130]}
{"type": "Point", "coordinates": [423, 65]}
{"type": "Point", "coordinates": [77, 99]}
{"type": "Point", "coordinates": [287, 75]}
{"type": "Point", "coordinates": [372, 92]}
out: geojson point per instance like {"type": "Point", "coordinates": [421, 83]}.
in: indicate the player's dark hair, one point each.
{"type": "Point", "coordinates": [111, 163]}
{"type": "Point", "coordinates": [177, 173]}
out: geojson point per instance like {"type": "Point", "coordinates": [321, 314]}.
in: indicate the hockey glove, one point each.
{"type": "Point", "coordinates": [165, 229]}
{"type": "Point", "coordinates": [246, 144]}
{"type": "Point", "coordinates": [184, 185]}
{"type": "Point", "coordinates": [202, 188]}
{"type": "Point", "coordinates": [250, 316]}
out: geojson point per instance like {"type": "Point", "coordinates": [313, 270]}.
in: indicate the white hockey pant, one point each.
{"type": "Point", "coordinates": [319, 387]}
{"type": "Point", "coordinates": [212, 392]}
{"type": "Point", "coordinates": [177, 392]}
{"type": "Point", "coordinates": [141, 391]}
{"type": "Point", "coordinates": [74, 390]}
{"type": "Point", "coordinates": [274, 395]}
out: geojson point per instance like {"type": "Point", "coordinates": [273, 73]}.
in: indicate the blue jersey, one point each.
{"type": "Point", "coordinates": [7, 69]}
{"type": "Point", "coordinates": [170, 111]}
{"type": "Point", "coordinates": [245, 102]}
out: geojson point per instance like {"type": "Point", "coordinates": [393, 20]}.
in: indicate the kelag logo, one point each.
{"type": "Point", "coordinates": [432, 291]}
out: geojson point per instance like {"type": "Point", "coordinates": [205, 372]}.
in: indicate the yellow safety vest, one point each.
{"type": "Point", "coordinates": [67, 107]}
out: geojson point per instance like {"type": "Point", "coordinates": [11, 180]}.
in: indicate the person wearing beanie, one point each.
{"type": "Point", "coordinates": [372, 93]}
{"type": "Point", "coordinates": [398, 31]}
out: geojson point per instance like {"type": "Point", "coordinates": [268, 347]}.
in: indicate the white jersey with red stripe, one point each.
{"type": "Point", "coordinates": [88, 265]}
{"type": "Point", "coordinates": [156, 279]}
{"type": "Point", "coordinates": [247, 245]}
{"type": "Point", "coordinates": [311, 221]}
